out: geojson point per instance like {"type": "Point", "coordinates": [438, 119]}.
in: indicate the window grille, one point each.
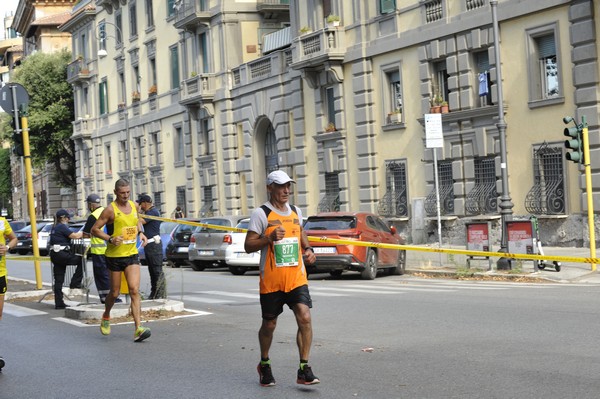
{"type": "Point", "coordinates": [446, 184]}
{"type": "Point", "coordinates": [483, 199]}
{"type": "Point", "coordinates": [180, 196]}
{"type": "Point", "coordinates": [331, 201]}
{"type": "Point", "coordinates": [271, 151]}
{"type": "Point", "coordinates": [207, 209]}
{"type": "Point", "coordinates": [395, 201]}
{"type": "Point", "coordinates": [547, 196]}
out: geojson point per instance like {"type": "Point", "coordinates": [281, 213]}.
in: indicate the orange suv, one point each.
{"type": "Point", "coordinates": [357, 226]}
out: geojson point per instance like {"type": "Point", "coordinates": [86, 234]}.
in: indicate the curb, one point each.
{"type": "Point", "coordinates": [95, 311]}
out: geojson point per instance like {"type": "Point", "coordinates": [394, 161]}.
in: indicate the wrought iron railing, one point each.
{"type": "Point", "coordinates": [483, 198]}
{"type": "Point", "coordinates": [446, 185]}
{"type": "Point", "coordinates": [395, 201]}
{"type": "Point", "coordinates": [547, 196]}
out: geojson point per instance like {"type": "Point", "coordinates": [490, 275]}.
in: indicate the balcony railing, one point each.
{"type": "Point", "coordinates": [83, 128]}
{"type": "Point", "coordinates": [312, 49]}
{"type": "Point", "coordinates": [273, 64]}
{"type": "Point", "coordinates": [191, 13]}
{"type": "Point", "coordinates": [273, 6]}
{"type": "Point", "coordinates": [77, 70]}
{"type": "Point", "coordinates": [200, 88]}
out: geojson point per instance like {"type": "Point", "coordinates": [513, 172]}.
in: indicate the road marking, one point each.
{"type": "Point", "coordinates": [21, 311]}
{"type": "Point", "coordinates": [189, 298]}
{"type": "Point", "coordinates": [320, 289]}
{"type": "Point", "coordinates": [232, 294]}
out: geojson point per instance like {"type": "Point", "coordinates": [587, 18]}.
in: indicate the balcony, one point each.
{"type": "Point", "coordinates": [191, 14]}
{"type": "Point", "coordinates": [270, 65]}
{"type": "Point", "coordinates": [78, 71]}
{"type": "Point", "coordinates": [83, 128]}
{"type": "Point", "coordinates": [198, 89]}
{"type": "Point", "coordinates": [272, 8]}
{"type": "Point", "coordinates": [320, 50]}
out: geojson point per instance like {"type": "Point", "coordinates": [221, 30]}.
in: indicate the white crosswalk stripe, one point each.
{"type": "Point", "coordinates": [21, 311]}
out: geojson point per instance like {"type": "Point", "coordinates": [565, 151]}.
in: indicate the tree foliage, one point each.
{"type": "Point", "coordinates": [5, 181]}
{"type": "Point", "coordinates": [51, 112]}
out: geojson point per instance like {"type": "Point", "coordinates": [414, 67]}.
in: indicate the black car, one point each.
{"type": "Point", "coordinates": [25, 244]}
{"type": "Point", "coordinates": [177, 250]}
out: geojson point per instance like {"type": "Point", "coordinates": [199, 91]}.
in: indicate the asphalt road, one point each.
{"type": "Point", "coordinates": [394, 337]}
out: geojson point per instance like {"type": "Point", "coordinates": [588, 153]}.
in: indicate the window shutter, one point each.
{"type": "Point", "coordinates": [387, 6]}
{"type": "Point", "coordinates": [546, 46]}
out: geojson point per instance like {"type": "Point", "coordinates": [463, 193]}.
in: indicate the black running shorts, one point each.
{"type": "Point", "coordinates": [272, 303]}
{"type": "Point", "coordinates": [119, 264]}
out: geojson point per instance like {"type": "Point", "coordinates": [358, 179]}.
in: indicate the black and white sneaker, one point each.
{"type": "Point", "coordinates": [266, 375]}
{"type": "Point", "coordinates": [306, 376]}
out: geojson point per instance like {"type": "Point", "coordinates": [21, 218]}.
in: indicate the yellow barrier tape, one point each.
{"type": "Point", "coordinates": [40, 258]}
{"type": "Point", "coordinates": [550, 258]}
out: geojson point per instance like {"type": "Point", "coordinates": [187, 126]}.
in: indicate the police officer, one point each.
{"type": "Point", "coordinates": [153, 249]}
{"type": "Point", "coordinates": [97, 248]}
{"type": "Point", "coordinates": [61, 256]}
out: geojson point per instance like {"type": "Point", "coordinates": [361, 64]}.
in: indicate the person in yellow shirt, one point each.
{"type": "Point", "coordinates": [275, 229]}
{"type": "Point", "coordinates": [6, 233]}
{"type": "Point", "coordinates": [123, 226]}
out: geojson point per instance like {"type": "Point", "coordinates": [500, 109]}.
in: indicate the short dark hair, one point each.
{"type": "Point", "coordinates": [121, 183]}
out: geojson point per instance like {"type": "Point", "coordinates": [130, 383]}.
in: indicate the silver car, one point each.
{"type": "Point", "coordinates": [208, 247]}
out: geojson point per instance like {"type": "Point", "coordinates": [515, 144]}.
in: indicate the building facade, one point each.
{"type": "Point", "coordinates": [196, 101]}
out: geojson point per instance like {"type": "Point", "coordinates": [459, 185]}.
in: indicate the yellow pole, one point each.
{"type": "Point", "coordinates": [588, 189]}
{"type": "Point", "coordinates": [30, 205]}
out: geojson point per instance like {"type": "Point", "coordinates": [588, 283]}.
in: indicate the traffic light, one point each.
{"type": "Point", "coordinates": [575, 143]}
{"type": "Point", "coordinates": [17, 138]}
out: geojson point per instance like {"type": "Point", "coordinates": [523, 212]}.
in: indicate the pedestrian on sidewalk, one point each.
{"type": "Point", "coordinates": [177, 213]}
{"type": "Point", "coordinates": [61, 256]}
{"type": "Point", "coordinates": [97, 248]}
{"type": "Point", "coordinates": [123, 228]}
{"type": "Point", "coordinates": [6, 235]}
{"type": "Point", "coordinates": [153, 249]}
{"type": "Point", "coordinates": [275, 229]}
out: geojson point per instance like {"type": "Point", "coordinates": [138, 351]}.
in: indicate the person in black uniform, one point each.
{"type": "Point", "coordinates": [153, 249]}
{"type": "Point", "coordinates": [61, 256]}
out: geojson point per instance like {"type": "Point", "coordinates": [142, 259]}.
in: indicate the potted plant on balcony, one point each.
{"type": "Point", "coordinates": [444, 107]}
{"type": "Point", "coordinates": [436, 104]}
{"type": "Point", "coordinates": [135, 96]}
{"type": "Point", "coordinates": [330, 127]}
{"type": "Point", "coordinates": [333, 20]}
{"type": "Point", "coordinates": [152, 90]}
{"type": "Point", "coordinates": [395, 116]}
{"type": "Point", "coordinates": [304, 30]}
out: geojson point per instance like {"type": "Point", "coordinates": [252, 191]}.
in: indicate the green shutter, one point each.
{"type": "Point", "coordinates": [387, 6]}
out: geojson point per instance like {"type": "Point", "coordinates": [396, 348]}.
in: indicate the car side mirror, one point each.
{"type": "Point", "coordinates": [393, 229]}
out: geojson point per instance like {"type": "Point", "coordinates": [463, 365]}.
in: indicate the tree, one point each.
{"type": "Point", "coordinates": [51, 112]}
{"type": "Point", "coordinates": [5, 181]}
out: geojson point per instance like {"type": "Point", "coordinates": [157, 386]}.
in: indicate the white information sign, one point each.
{"type": "Point", "coordinates": [434, 134]}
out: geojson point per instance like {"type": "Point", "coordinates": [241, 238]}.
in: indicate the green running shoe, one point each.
{"type": "Point", "coordinates": [141, 334]}
{"type": "Point", "coordinates": [105, 326]}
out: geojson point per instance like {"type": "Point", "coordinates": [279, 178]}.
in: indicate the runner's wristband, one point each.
{"type": "Point", "coordinates": [311, 248]}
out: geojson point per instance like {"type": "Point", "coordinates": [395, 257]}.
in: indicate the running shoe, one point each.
{"type": "Point", "coordinates": [141, 334]}
{"type": "Point", "coordinates": [1, 363]}
{"type": "Point", "coordinates": [105, 326]}
{"type": "Point", "coordinates": [266, 375]}
{"type": "Point", "coordinates": [306, 376]}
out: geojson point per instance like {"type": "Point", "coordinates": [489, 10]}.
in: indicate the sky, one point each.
{"type": "Point", "coordinates": [6, 6]}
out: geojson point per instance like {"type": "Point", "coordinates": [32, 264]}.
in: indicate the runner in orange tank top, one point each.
{"type": "Point", "coordinates": [275, 229]}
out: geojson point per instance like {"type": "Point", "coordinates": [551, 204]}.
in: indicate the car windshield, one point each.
{"type": "Point", "coordinates": [47, 228]}
{"type": "Point", "coordinates": [243, 224]}
{"type": "Point", "coordinates": [330, 223]}
{"type": "Point", "coordinates": [216, 222]}
{"type": "Point", "coordinates": [167, 227]}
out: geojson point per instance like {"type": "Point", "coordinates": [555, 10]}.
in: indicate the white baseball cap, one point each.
{"type": "Point", "coordinates": [279, 177]}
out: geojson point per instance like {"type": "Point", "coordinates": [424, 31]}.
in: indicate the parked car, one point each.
{"type": "Point", "coordinates": [358, 226]}
{"type": "Point", "coordinates": [44, 238]}
{"type": "Point", "coordinates": [17, 225]}
{"type": "Point", "coordinates": [177, 249]}
{"type": "Point", "coordinates": [208, 246]}
{"type": "Point", "coordinates": [236, 257]}
{"type": "Point", "coordinates": [25, 244]}
{"type": "Point", "coordinates": [166, 228]}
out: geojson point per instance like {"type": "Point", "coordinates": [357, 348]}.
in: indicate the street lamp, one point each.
{"type": "Point", "coordinates": [506, 204]}
{"type": "Point", "coordinates": [102, 36]}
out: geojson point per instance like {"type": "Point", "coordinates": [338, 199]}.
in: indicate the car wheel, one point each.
{"type": "Point", "coordinates": [198, 266]}
{"type": "Point", "coordinates": [336, 273]}
{"type": "Point", "coordinates": [370, 271]}
{"type": "Point", "coordinates": [401, 267]}
{"type": "Point", "coordinates": [237, 270]}
{"type": "Point", "coordinates": [23, 251]}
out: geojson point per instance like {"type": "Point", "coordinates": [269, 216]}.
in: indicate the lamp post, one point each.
{"type": "Point", "coordinates": [506, 204]}
{"type": "Point", "coordinates": [124, 109]}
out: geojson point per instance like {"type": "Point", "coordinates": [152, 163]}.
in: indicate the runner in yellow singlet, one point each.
{"type": "Point", "coordinates": [123, 227]}
{"type": "Point", "coordinates": [8, 240]}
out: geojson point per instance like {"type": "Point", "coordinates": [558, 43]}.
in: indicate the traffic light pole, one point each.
{"type": "Point", "coordinates": [20, 115]}
{"type": "Point", "coordinates": [588, 189]}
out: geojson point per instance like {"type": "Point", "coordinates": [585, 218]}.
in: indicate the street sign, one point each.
{"type": "Point", "coordinates": [434, 134]}
{"type": "Point", "coordinates": [6, 96]}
